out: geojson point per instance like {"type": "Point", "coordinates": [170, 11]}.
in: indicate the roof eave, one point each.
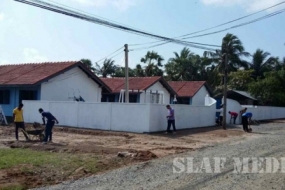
{"type": "Point", "coordinates": [167, 86]}
{"type": "Point", "coordinates": [83, 68]}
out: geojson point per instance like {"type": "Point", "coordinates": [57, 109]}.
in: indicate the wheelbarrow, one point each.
{"type": "Point", "coordinates": [35, 134]}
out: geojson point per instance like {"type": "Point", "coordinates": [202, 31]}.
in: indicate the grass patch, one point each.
{"type": "Point", "coordinates": [51, 166]}
{"type": "Point", "coordinates": [13, 187]}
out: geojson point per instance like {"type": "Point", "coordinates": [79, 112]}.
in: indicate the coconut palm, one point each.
{"type": "Point", "coordinates": [280, 64]}
{"type": "Point", "coordinates": [154, 63]}
{"type": "Point", "coordinates": [262, 62]}
{"type": "Point", "coordinates": [107, 69]}
{"type": "Point", "coordinates": [139, 71]}
{"type": "Point", "coordinates": [181, 67]}
{"type": "Point", "coordinates": [88, 64]}
{"type": "Point", "coordinates": [233, 47]}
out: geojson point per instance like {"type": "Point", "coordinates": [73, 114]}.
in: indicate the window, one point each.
{"type": "Point", "coordinates": [27, 95]}
{"type": "Point", "coordinates": [133, 98]}
{"type": "Point", "coordinates": [183, 101]}
{"type": "Point", "coordinates": [108, 98]}
{"type": "Point", "coordinates": [156, 98]}
{"type": "Point", "coordinates": [4, 96]}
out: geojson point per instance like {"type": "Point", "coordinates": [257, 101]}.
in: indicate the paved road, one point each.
{"type": "Point", "coordinates": [267, 141]}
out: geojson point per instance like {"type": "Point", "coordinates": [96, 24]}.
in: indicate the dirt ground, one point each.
{"type": "Point", "coordinates": [106, 145]}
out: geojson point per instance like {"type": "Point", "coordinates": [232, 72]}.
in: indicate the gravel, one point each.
{"type": "Point", "coordinates": [267, 140]}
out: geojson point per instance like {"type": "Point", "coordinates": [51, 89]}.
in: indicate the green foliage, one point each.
{"type": "Point", "coordinates": [107, 69]}
{"type": "Point", "coordinates": [271, 89]}
{"type": "Point", "coordinates": [261, 63]}
{"type": "Point", "coordinates": [240, 79]}
{"type": "Point", "coordinates": [120, 72]}
{"type": "Point", "coordinates": [88, 64]}
{"type": "Point", "coordinates": [233, 46]}
{"type": "Point", "coordinates": [154, 64]}
{"type": "Point", "coordinates": [187, 66]}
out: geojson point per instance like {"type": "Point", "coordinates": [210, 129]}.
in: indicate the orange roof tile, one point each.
{"type": "Point", "coordinates": [34, 73]}
{"type": "Point", "coordinates": [116, 84]}
{"type": "Point", "coordinates": [30, 73]}
{"type": "Point", "coordinates": [186, 88]}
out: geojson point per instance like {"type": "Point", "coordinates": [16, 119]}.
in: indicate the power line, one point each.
{"type": "Point", "coordinates": [215, 32]}
{"type": "Point", "coordinates": [58, 9]}
{"type": "Point", "coordinates": [110, 57]}
{"type": "Point", "coordinates": [225, 23]}
{"type": "Point", "coordinates": [81, 11]}
{"type": "Point", "coordinates": [110, 54]}
{"type": "Point", "coordinates": [240, 25]}
{"type": "Point", "coordinates": [234, 19]}
{"type": "Point", "coordinates": [142, 48]}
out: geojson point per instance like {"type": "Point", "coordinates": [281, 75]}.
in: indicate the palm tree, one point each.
{"type": "Point", "coordinates": [182, 66]}
{"type": "Point", "coordinates": [154, 63]}
{"type": "Point", "coordinates": [139, 71]}
{"type": "Point", "coordinates": [120, 72]}
{"type": "Point", "coordinates": [261, 62]}
{"type": "Point", "coordinates": [108, 68]}
{"type": "Point", "coordinates": [88, 64]}
{"type": "Point", "coordinates": [280, 64]}
{"type": "Point", "coordinates": [234, 49]}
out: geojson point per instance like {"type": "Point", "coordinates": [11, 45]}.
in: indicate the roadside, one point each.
{"type": "Point", "coordinates": [266, 141]}
{"type": "Point", "coordinates": [78, 153]}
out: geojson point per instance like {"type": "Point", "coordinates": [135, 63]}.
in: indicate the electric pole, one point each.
{"type": "Point", "coordinates": [126, 74]}
{"type": "Point", "coordinates": [225, 60]}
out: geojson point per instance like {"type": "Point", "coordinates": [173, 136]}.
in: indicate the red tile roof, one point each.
{"type": "Point", "coordinates": [186, 88]}
{"type": "Point", "coordinates": [116, 84]}
{"type": "Point", "coordinates": [29, 74]}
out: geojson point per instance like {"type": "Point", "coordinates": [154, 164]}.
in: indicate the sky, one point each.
{"type": "Point", "coordinates": [31, 35]}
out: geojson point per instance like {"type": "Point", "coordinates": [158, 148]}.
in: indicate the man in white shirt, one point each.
{"type": "Point", "coordinates": [170, 120]}
{"type": "Point", "coordinates": [221, 110]}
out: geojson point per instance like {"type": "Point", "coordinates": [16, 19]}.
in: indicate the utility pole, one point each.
{"type": "Point", "coordinates": [126, 74]}
{"type": "Point", "coordinates": [225, 59]}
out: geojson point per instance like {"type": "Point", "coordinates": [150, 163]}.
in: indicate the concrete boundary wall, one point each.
{"type": "Point", "coordinates": [138, 118]}
{"type": "Point", "coordinates": [259, 112]}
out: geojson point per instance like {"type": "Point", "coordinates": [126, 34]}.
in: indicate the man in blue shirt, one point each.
{"type": "Point", "coordinates": [245, 117]}
{"type": "Point", "coordinates": [49, 125]}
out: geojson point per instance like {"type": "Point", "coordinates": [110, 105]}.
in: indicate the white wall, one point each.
{"type": "Point", "coordinates": [199, 97]}
{"type": "Point", "coordinates": [266, 112]}
{"type": "Point", "coordinates": [137, 118]}
{"type": "Point", "coordinates": [186, 116]}
{"type": "Point", "coordinates": [259, 112]}
{"type": "Point", "coordinates": [234, 106]}
{"type": "Point", "coordinates": [130, 117]}
{"type": "Point", "coordinates": [104, 116]}
{"type": "Point", "coordinates": [72, 82]}
{"type": "Point", "coordinates": [156, 87]}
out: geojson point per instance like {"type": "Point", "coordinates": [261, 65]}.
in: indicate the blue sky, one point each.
{"type": "Point", "coordinates": [30, 34]}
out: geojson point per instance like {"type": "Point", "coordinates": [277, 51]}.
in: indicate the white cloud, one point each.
{"type": "Point", "coordinates": [2, 16]}
{"type": "Point", "coordinates": [248, 5]}
{"type": "Point", "coordinates": [32, 55]}
{"type": "Point", "coordinates": [122, 5]}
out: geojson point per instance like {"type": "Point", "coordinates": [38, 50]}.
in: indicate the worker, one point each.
{"type": "Point", "coordinates": [245, 118]}
{"type": "Point", "coordinates": [18, 119]}
{"type": "Point", "coordinates": [242, 112]}
{"type": "Point", "coordinates": [221, 110]}
{"type": "Point", "coordinates": [233, 116]}
{"type": "Point", "coordinates": [170, 120]}
{"type": "Point", "coordinates": [49, 124]}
